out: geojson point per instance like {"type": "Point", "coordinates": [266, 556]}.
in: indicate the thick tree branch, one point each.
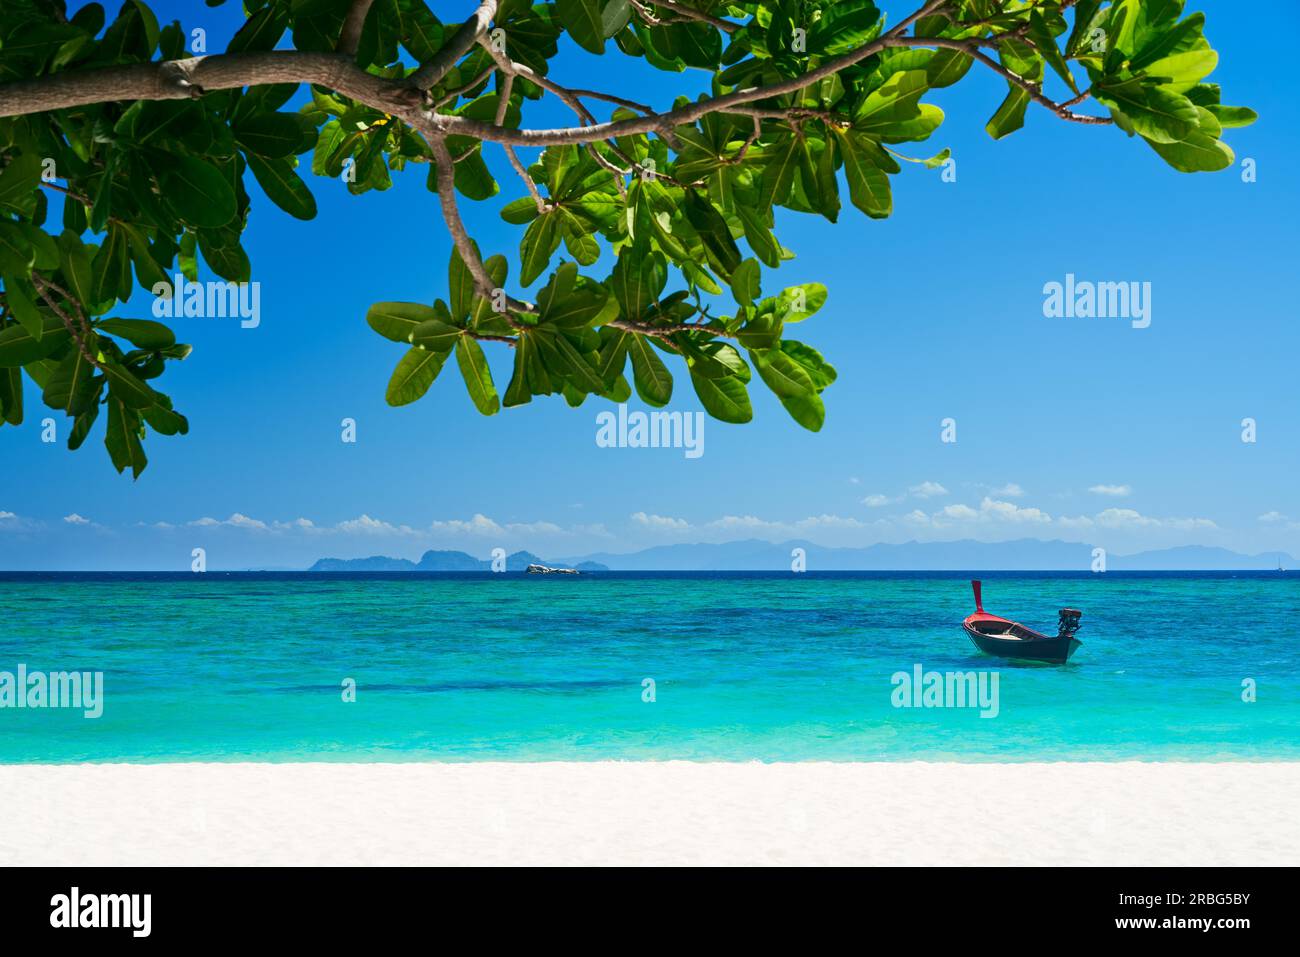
{"type": "Point", "coordinates": [179, 79]}
{"type": "Point", "coordinates": [469, 34]}
{"type": "Point", "coordinates": [183, 79]}
{"type": "Point", "coordinates": [352, 26]}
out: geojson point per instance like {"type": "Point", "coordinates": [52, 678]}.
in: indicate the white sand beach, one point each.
{"type": "Point", "coordinates": [651, 813]}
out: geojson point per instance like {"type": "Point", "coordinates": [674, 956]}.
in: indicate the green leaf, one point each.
{"type": "Point", "coordinates": [582, 19]}
{"type": "Point", "coordinates": [947, 67]}
{"type": "Point", "coordinates": [283, 185]}
{"type": "Point", "coordinates": [1154, 113]}
{"type": "Point", "coordinates": [783, 375]}
{"type": "Point", "coordinates": [637, 280]}
{"type": "Point", "coordinates": [413, 375]}
{"type": "Point", "coordinates": [868, 184]}
{"type": "Point", "coordinates": [222, 251]}
{"type": "Point", "coordinates": [17, 254]}
{"type": "Point", "coordinates": [75, 260]}
{"type": "Point", "coordinates": [81, 426]}
{"type": "Point", "coordinates": [164, 420]}
{"type": "Point", "coordinates": [435, 335]}
{"type": "Point", "coordinates": [725, 399]}
{"type": "Point", "coordinates": [123, 438]}
{"type": "Point", "coordinates": [19, 182]}
{"type": "Point", "coordinates": [11, 396]}
{"type": "Point", "coordinates": [71, 388]}
{"type": "Point", "coordinates": [18, 346]}
{"type": "Point", "coordinates": [518, 392]}
{"type": "Point", "coordinates": [261, 31]}
{"type": "Point", "coordinates": [778, 174]}
{"type": "Point", "coordinates": [819, 370]}
{"type": "Point", "coordinates": [110, 270]}
{"type": "Point", "coordinates": [653, 382]}
{"type": "Point", "coordinates": [24, 309]}
{"type": "Point", "coordinates": [562, 357]}
{"type": "Point", "coordinates": [1198, 153]}
{"type": "Point", "coordinates": [478, 377]}
{"type": "Point", "coordinates": [745, 282]}
{"type": "Point", "coordinates": [198, 192]}
{"type": "Point", "coordinates": [126, 387]}
{"type": "Point", "coordinates": [896, 100]}
{"type": "Point", "coordinates": [797, 303]}
{"type": "Point", "coordinates": [759, 236]}
{"type": "Point", "coordinates": [540, 241]}
{"type": "Point", "coordinates": [269, 135]}
{"type": "Point", "coordinates": [713, 230]}
{"type": "Point", "coordinates": [612, 358]}
{"type": "Point", "coordinates": [144, 333]}
{"type": "Point", "coordinates": [1010, 116]}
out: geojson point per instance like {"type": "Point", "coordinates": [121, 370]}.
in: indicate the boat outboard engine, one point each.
{"type": "Point", "coordinates": [1069, 622]}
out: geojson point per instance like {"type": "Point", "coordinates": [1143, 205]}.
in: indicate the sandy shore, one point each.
{"type": "Point", "coordinates": [648, 813]}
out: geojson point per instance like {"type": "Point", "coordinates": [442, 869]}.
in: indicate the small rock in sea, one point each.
{"type": "Point", "coordinates": [547, 570]}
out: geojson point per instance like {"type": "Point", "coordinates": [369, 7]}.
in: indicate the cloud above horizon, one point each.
{"type": "Point", "coordinates": [1115, 491]}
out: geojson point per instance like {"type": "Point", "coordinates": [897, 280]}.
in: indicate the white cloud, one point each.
{"type": "Point", "coordinates": [1010, 512]}
{"type": "Point", "coordinates": [238, 520]}
{"type": "Point", "coordinates": [1010, 490]}
{"type": "Point", "coordinates": [877, 500]}
{"type": "Point", "coordinates": [1127, 518]}
{"type": "Point", "coordinates": [5, 516]}
{"type": "Point", "coordinates": [1272, 517]}
{"type": "Point", "coordinates": [927, 490]}
{"type": "Point", "coordinates": [478, 525]}
{"type": "Point", "coordinates": [75, 519]}
{"type": "Point", "coordinates": [298, 524]}
{"type": "Point", "coordinates": [481, 524]}
{"type": "Point", "coordinates": [1078, 521]}
{"type": "Point", "coordinates": [365, 525]}
{"type": "Point", "coordinates": [1115, 491]}
{"type": "Point", "coordinates": [660, 521]}
{"type": "Point", "coordinates": [752, 523]}
{"type": "Point", "coordinates": [828, 521]}
{"type": "Point", "coordinates": [534, 528]}
{"type": "Point", "coordinates": [743, 522]}
{"type": "Point", "coordinates": [990, 511]}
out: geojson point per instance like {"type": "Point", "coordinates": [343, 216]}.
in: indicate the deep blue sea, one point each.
{"type": "Point", "coordinates": [744, 666]}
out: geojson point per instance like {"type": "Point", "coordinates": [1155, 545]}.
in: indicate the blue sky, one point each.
{"type": "Point", "coordinates": [1081, 429]}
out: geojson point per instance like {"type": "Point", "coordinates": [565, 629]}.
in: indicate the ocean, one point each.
{"type": "Point", "coordinates": [647, 666]}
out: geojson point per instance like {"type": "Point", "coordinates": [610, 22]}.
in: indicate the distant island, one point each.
{"type": "Point", "coordinates": [435, 561]}
{"type": "Point", "coordinates": [1026, 554]}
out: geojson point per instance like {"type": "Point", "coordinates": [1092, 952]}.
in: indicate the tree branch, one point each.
{"type": "Point", "coordinates": [446, 179]}
{"type": "Point", "coordinates": [687, 13]}
{"type": "Point", "coordinates": [432, 72]}
{"type": "Point", "coordinates": [353, 25]}
{"type": "Point", "coordinates": [180, 79]}
{"type": "Point", "coordinates": [44, 287]}
{"type": "Point", "coordinates": [662, 123]}
{"type": "Point", "coordinates": [183, 79]}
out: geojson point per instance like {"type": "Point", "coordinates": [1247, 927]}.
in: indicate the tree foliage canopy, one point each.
{"type": "Point", "coordinates": [151, 146]}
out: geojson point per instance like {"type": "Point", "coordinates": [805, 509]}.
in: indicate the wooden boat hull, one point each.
{"type": "Point", "coordinates": [1039, 648]}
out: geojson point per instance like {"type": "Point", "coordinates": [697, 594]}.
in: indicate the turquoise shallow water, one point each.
{"type": "Point", "coordinates": [746, 666]}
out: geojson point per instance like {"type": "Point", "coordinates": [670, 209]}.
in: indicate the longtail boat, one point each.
{"type": "Point", "coordinates": [1009, 639]}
